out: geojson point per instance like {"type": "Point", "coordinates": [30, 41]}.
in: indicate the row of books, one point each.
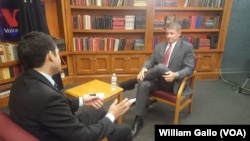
{"type": "Point", "coordinates": [106, 44]}
{"type": "Point", "coordinates": [191, 22]}
{"type": "Point", "coordinates": [128, 22]}
{"type": "Point", "coordinates": [191, 3]}
{"type": "Point", "coordinates": [14, 71]}
{"type": "Point", "coordinates": [204, 3]}
{"type": "Point", "coordinates": [165, 3]}
{"type": "Point", "coordinates": [10, 72]}
{"type": "Point", "coordinates": [109, 2]}
{"type": "Point", "coordinates": [211, 42]}
{"type": "Point", "coordinates": [8, 52]}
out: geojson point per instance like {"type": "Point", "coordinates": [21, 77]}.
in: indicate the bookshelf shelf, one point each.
{"type": "Point", "coordinates": [190, 30]}
{"type": "Point", "coordinates": [7, 64]}
{"type": "Point", "coordinates": [64, 53]}
{"type": "Point", "coordinates": [6, 81]}
{"type": "Point", "coordinates": [208, 51]}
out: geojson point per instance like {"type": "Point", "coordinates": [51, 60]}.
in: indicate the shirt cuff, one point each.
{"type": "Point", "coordinates": [111, 117]}
{"type": "Point", "coordinates": [80, 101]}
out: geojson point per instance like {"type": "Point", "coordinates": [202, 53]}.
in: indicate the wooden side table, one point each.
{"type": "Point", "coordinates": [96, 86]}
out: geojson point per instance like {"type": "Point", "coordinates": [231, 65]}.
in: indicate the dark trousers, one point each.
{"type": "Point", "coordinates": [89, 115]}
{"type": "Point", "coordinates": [153, 81]}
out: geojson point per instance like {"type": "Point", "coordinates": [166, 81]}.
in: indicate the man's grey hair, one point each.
{"type": "Point", "coordinates": [174, 25]}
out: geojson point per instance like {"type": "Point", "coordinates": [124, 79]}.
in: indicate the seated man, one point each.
{"type": "Point", "coordinates": [170, 62]}
{"type": "Point", "coordinates": [40, 108]}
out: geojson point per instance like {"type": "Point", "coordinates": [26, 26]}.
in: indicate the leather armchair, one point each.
{"type": "Point", "coordinates": [10, 131]}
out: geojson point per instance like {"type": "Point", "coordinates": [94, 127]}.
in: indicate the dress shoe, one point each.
{"type": "Point", "coordinates": [128, 85]}
{"type": "Point", "coordinates": [137, 126]}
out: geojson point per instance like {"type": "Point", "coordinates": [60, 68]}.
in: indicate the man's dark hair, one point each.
{"type": "Point", "coordinates": [33, 48]}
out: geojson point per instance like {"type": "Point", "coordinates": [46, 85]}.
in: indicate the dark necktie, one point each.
{"type": "Point", "coordinates": [167, 55]}
{"type": "Point", "coordinates": [55, 86]}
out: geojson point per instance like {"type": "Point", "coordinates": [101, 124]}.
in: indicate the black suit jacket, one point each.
{"type": "Point", "coordinates": [46, 113]}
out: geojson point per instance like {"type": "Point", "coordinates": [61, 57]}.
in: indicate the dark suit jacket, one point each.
{"type": "Point", "coordinates": [181, 61]}
{"type": "Point", "coordinates": [46, 113]}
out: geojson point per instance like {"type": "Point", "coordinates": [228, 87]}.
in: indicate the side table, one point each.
{"type": "Point", "coordinates": [96, 86]}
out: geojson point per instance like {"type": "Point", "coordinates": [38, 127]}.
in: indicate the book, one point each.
{"type": "Point", "coordinates": [138, 44]}
{"type": "Point", "coordinates": [2, 54]}
{"type": "Point", "coordinates": [140, 22]}
{"type": "Point", "coordinates": [122, 44]}
{"type": "Point", "coordinates": [140, 3]}
{"type": "Point", "coordinates": [129, 22]}
{"type": "Point", "coordinates": [213, 40]}
{"type": "Point", "coordinates": [159, 24]}
{"type": "Point", "coordinates": [116, 44]}
{"type": "Point", "coordinates": [5, 73]}
{"type": "Point", "coordinates": [4, 93]}
{"type": "Point", "coordinates": [60, 42]}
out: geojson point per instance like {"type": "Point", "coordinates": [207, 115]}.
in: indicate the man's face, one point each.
{"type": "Point", "coordinates": [172, 35]}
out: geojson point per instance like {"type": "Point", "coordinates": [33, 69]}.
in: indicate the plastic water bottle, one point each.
{"type": "Point", "coordinates": [113, 81]}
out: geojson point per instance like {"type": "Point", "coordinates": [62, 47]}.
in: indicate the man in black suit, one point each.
{"type": "Point", "coordinates": [44, 111]}
{"type": "Point", "coordinates": [164, 74]}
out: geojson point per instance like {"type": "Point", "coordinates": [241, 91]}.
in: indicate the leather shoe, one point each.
{"type": "Point", "coordinates": [128, 85]}
{"type": "Point", "coordinates": [137, 126]}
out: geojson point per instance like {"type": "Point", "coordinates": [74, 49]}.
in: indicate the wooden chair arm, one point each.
{"type": "Point", "coordinates": [183, 84]}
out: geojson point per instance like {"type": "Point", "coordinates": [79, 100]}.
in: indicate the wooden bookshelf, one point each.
{"type": "Point", "coordinates": [88, 65]}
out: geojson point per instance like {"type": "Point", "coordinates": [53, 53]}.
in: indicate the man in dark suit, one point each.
{"type": "Point", "coordinates": [44, 111]}
{"type": "Point", "coordinates": [157, 74]}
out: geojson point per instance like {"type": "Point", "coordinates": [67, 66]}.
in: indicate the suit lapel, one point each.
{"type": "Point", "coordinates": [41, 78]}
{"type": "Point", "coordinates": [46, 81]}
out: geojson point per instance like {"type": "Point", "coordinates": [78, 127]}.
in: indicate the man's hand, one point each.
{"type": "Point", "coordinates": [169, 76]}
{"type": "Point", "coordinates": [141, 74]}
{"type": "Point", "coordinates": [118, 109]}
{"type": "Point", "coordinates": [93, 101]}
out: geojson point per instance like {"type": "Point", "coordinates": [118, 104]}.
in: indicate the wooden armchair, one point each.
{"type": "Point", "coordinates": [177, 100]}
